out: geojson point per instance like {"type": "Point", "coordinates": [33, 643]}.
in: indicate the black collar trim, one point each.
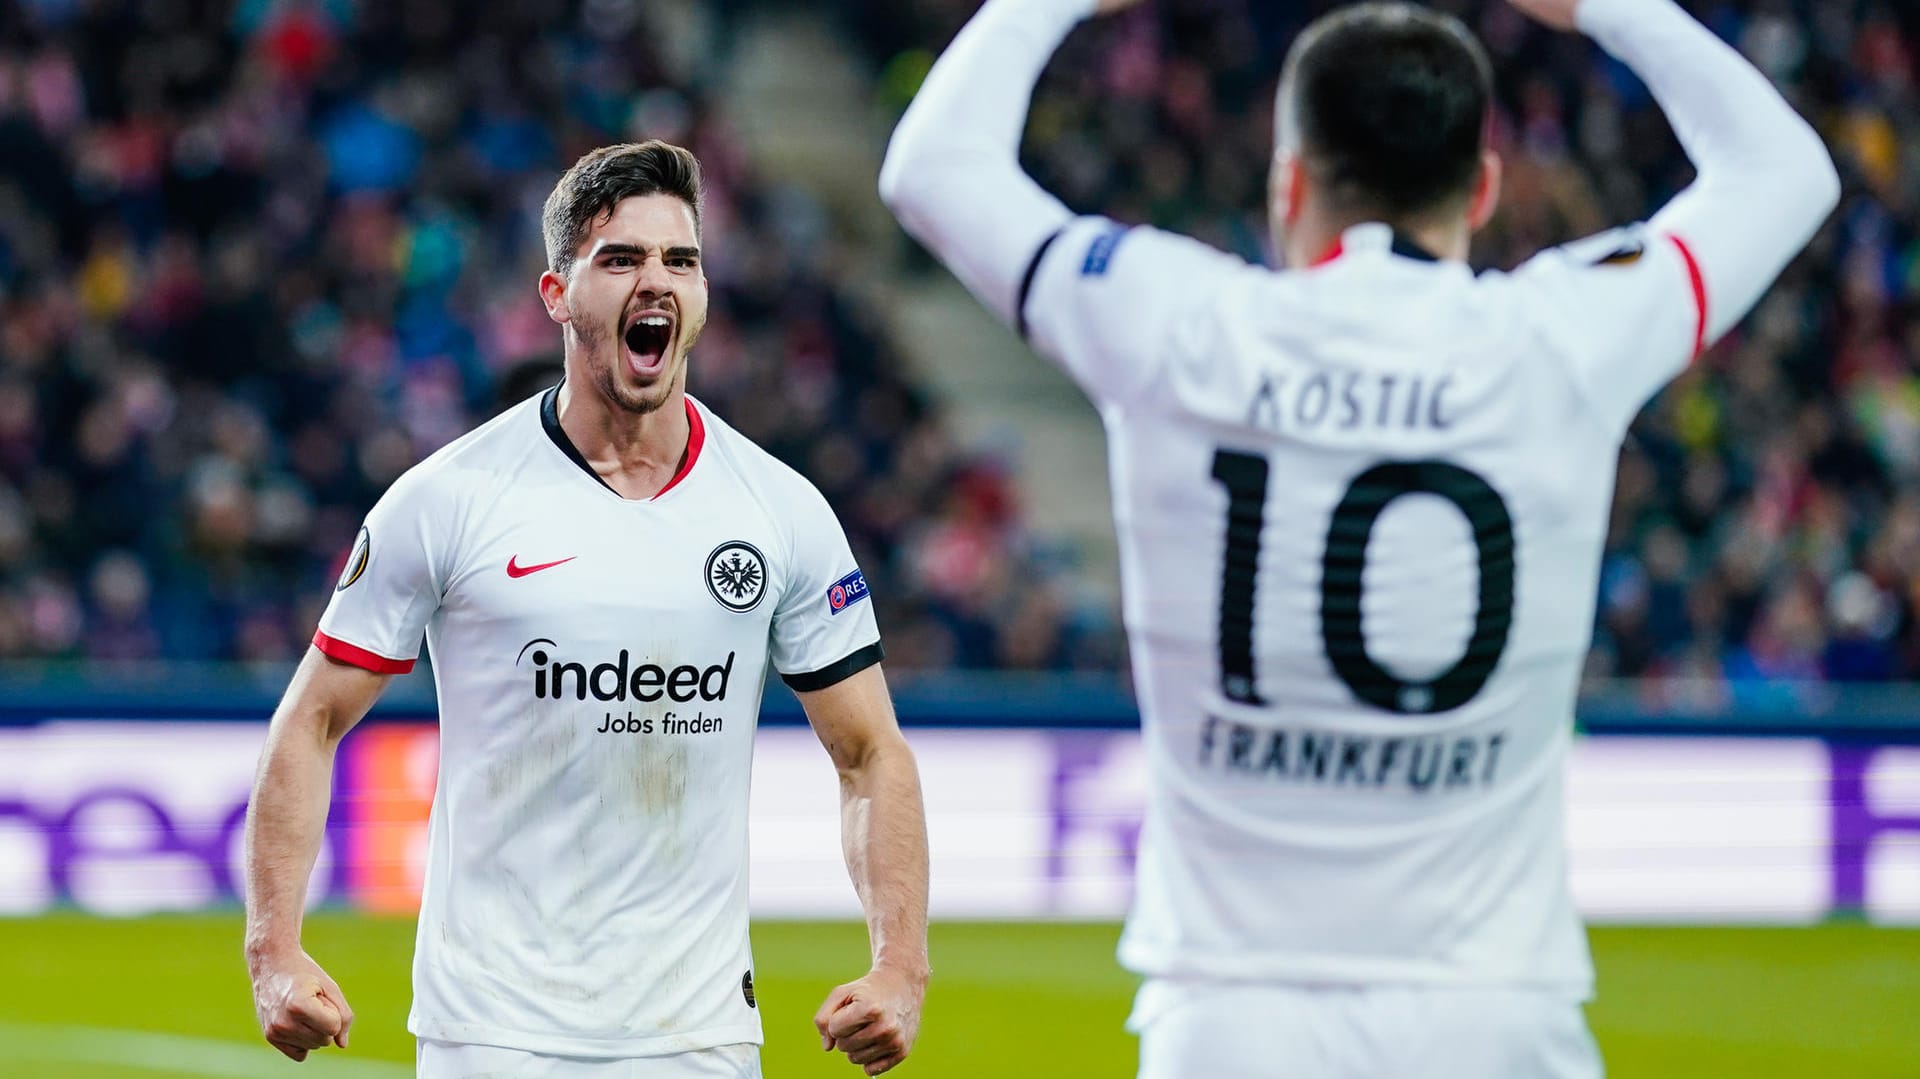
{"type": "Point", "coordinates": [550, 422]}
{"type": "Point", "coordinates": [1407, 249]}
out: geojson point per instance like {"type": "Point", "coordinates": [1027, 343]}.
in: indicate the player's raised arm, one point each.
{"type": "Point", "coordinates": [1631, 310]}
{"type": "Point", "coordinates": [952, 176]}
{"type": "Point", "coordinates": [1765, 183]}
{"type": "Point", "coordinates": [299, 1007]}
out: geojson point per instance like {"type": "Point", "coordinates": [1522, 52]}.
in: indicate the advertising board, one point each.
{"type": "Point", "coordinates": [130, 817]}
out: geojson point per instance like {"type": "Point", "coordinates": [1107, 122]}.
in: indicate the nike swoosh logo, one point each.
{"type": "Point", "coordinates": [517, 571]}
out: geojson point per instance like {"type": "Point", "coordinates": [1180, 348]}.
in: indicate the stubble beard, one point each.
{"type": "Point", "coordinates": [595, 342]}
{"type": "Point", "coordinates": [637, 402]}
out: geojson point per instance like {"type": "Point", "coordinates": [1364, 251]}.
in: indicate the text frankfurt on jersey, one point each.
{"type": "Point", "coordinates": [1421, 764]}
{"type": "Point", "coordinates": [621, 679]}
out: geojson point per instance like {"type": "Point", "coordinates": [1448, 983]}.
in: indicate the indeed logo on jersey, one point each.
{"type": "Point", "coordinates": [619, 679]}
{"type": "Point", "coordinates": [847, 591]}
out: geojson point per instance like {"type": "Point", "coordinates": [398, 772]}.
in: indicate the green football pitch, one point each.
{"type": "Point", "coordinates": [82, 998]}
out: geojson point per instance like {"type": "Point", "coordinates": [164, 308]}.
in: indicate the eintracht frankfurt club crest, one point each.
{"type": "Point", "coordinates": [737, 575]}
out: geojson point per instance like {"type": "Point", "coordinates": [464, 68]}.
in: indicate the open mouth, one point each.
{"type": "Point", "coordinates": [647, 342]}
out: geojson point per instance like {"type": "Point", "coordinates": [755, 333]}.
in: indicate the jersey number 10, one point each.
{"type": "Point", "coordinates": [1343, 565]}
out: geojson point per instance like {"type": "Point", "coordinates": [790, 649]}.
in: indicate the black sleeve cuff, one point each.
{"type": "Point", "coordinates": [835, 673]}
{"type": "Point", "coordinates": [1026, 282]}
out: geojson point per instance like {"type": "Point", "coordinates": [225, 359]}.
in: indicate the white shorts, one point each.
{"type": "Point", "coordinates": [1241, 1030]}
{"type": "Point", "coordinates": [449, 1060]}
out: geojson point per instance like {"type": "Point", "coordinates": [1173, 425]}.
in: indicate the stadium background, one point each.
{"type": "Point", "coordinates": [259, 256]}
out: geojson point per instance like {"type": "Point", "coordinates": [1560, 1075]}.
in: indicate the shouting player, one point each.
{"type": "Point", "coordinates": [604, 573]}
{"type": "Point", "coordinates": [1361, 503]}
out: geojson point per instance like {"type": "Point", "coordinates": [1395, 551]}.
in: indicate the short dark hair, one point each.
{"type": "Point", "coordinates": [602, 178]}
{"type": "Point", "coordinates": [1387, 104]}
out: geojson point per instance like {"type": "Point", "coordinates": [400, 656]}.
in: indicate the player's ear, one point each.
{"type": "Point", "coordinates": [1286, 187]}
{"type": "Point", "coordinates": [1486, 191]}
{"type": "Point", "coordinates": [553, 293]}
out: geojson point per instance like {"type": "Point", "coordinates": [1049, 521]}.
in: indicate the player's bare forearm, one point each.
{"type": "Point", "coordinates": [875, 1019]}
{"type": "Point", "coordinates": [285, 819]}
{"type": "Point", "coordinates": [287, 812]}
{"type": "Point", "coordinates": [883, 829]}
{"type": "Point", "coordinates": [883, 824]}
{"type": "Point", "coordinates": [300, 1008]}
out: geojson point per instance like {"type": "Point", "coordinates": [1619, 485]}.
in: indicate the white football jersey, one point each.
{"type": "Point", "coordinates": [1361, 508]}
{"type": "Point", "coordinates": [599, 663]}
{"type": "Point", "coordinates": [1361, 511]}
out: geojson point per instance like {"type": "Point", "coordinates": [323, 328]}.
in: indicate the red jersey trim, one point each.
{"type": "Point", "coordinates": [359, 657]}
{"type": "Point", "coordinates": [1699, 284]}
{"type": "Point", "coordinates": [1339, 248]}
{"type": "Point", "coordinates": [696, 438]}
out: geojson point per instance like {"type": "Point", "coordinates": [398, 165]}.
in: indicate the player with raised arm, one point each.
{"type": "Point", "coordinates": [1361, 502]}
{"type": "Point", "coordinates": [604, 573]}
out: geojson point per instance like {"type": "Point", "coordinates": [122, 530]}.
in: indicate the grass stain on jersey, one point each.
{"type": "Point", "coordinates": [658, 780]}
{"type": "Point", "coordinates": [524, 782]}
{"type": "Point", "coordinates": [522, 776]}
{"type": "Point", "coordinates": [660, 775]}
{"type": "Point", "coordinates": [657, 790]}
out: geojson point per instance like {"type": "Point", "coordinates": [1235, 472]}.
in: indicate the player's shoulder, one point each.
{"type": "Point", "coordinates": [1096, 248]}
{"type": "Point", "coordinates": [476, 458]}
{"type": "Point", "coordinates": [1601, 290]}
{"type": "Point", "coordinates": [1620, 313]}
{"type": "Point", "coordinates": [1619, 247]}
{"type": "Point", "coordinates": [1621, 255]}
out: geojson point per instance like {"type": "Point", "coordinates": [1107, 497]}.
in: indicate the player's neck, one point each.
{"type": "Point", "coordinates": [1312, 240]}
{"type": "Point", "coordinates": [635, 453]}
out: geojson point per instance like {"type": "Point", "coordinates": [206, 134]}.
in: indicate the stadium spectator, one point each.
{"type": "Point", "coordinates": [198, 238]}
{"type": "Point", "coordinates": [251, 271]}
{"type": "Point", "coordinates": [1766, 520]}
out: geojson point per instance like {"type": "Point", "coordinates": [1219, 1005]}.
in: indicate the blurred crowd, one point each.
{"type": "Point", "coordinates": [1767, 521]}
{"type": "Point", "coordinates": [259, 257]}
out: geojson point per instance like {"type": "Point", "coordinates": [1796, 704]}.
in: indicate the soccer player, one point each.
{"type": "Point", "coordinates": [604, 573]}
{"type": "Point", "coordinates": [1361, 502]}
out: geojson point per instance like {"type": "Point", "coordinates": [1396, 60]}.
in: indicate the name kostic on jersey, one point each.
{"type": "Point", "coordinates": [1300, 402]}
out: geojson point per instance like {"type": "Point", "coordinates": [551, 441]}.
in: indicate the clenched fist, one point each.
{"type": "Point", "coordinates": [300, 1009]}
{"type": "Point", "coordinates": [873, 1020]}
